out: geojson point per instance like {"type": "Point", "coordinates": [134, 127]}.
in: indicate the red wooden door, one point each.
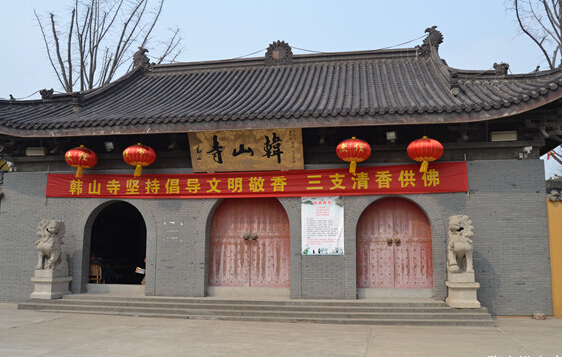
{"type": "Point", "coordinates": [250, 244]}
{"type": "Point", "coordinates": [394, 246]}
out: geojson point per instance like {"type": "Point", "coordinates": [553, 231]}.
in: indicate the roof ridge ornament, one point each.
{"type": "Point", "coordinates": [433, 39]}
{"type": "Point", "coordinates": [140, 59]}
{"type": "Point", "coordinates": [501, 68]}
{"type": "Point", "coordinates": [278, 53]}
{"type": "Point", "coordinates": [46, 94]}
{"type": "Point", "coordinates": [78, 101]}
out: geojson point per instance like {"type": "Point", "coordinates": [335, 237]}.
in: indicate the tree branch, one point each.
{"type": "Point", "coordinates": [172, 45]}
{"type": "Point", "coordinates": [153, 24]}
{"type": "Point", "coordinates": [524, 29]}
{"type": "Point", "coordinates": [97, 44]}
{"type": "Point", "coordinates": [554, 155]}
{"type": "Point", "coordinates": [69, 49]}
{"type": "Point", "coordinates": [67, 84]}
{"type": "Point", "coordinates": [48, 50]}
{"type": "Point", "coordinates": [124, 43]}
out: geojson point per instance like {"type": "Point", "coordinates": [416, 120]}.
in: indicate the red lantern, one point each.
{"type": "Point", "coordinates": [81, 157]}
{"type": "Point", "coordinates": [353, 150]}
{"type": "Point", "coordinates": [139, 156]}
{"type": "Point", "coordinates": [425, 150]}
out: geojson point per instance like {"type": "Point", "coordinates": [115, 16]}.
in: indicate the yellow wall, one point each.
{"type": "Point", "coordinates": [555, 234]}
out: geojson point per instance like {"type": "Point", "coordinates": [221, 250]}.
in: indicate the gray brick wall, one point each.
{"type": "Point", "coordinates": [23, 206]}
{"type": "Point", "coordinates": [323, 277]}
{"type": "Point", "coordinates": [506, 203]}
{"type": "Point", "coordinates": [508, 207]}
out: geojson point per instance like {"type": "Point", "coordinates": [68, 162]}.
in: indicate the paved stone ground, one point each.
{"type": "Point", "coordinates": [33, 333]}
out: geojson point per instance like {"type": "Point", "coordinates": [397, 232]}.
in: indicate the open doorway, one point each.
{"type": "Point", "coordinates": [119, 242]}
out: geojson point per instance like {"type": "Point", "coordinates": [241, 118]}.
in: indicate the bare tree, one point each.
{"type": "Point", "coordinates": [541, 21]}
{"type": "Point", "coordinates": [556, 156]}
{"type": "Point", "coordinates": [100, 38]}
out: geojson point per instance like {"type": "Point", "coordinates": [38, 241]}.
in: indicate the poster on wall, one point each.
{"type": "Point", "coordinates": [322, 225]}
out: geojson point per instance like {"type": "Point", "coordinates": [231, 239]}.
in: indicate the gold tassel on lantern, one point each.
{"type": "Point", "coordinates": [138, 170]}
{"type": "Point", "coordinates": [352, 166]}
{"type": "Point", "coordinates": [79, 172]}
{"type": "Point", "coordinates": [424, 166]}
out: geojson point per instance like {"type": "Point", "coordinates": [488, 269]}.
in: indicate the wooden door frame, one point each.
{"type": "Point", "coordinates": [354, 206]}
{"type": "Point", "coordinates": [388, 213]}
{"type": "Point", "coordinates": [429, 206]}
{"type": "Point", "coordinates": [209, 220]}
{"type": "Point", "coordinates": [90, 212]}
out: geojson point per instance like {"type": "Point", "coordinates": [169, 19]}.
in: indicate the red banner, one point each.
{"type": "Point", "coordinates": [377, 180]}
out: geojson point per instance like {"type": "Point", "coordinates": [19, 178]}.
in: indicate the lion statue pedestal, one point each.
{"type": "Point", "coordinates": [51, 278]}
{"type": "Point", "coordinates": [460, 271]}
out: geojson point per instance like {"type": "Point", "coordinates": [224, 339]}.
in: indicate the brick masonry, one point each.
{"type": "Point", "coordinates": [506, 202]}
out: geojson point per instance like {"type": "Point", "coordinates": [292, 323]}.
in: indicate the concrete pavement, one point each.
{"type": "Point", "coordinates": [33, 333]}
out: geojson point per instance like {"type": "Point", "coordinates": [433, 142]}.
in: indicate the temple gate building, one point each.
{"type": "Point", "coordinates": [246, 149]}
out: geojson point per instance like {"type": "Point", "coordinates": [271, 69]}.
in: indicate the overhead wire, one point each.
{"type": "Point", "coordinates": [32, 94]}
{"type": "Point", "coordinates": [323, 52]}
{"type": "Point", "coordinates": [253, 53]}
{"type": "Point", "coordinates": [249, 54]}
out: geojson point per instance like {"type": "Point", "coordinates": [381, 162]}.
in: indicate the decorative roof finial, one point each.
{"type": "Point", "coordinates": [46, 94]}
{"type": "Point", "coordinates": [501, 68]}
{"type": "Point", "coordinates": [140, 59]}
{"type": "Point", "coordinates": [433, 39]}
{"type": "Point", "coordinates": [279, 52]}
{"type": "Point", "coordinates": [78, 101]}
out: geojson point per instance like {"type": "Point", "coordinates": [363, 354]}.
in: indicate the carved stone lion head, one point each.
{"type": "Point", "coordinates": [462, 225]}
{"type": "Point", "coordinates": [49, 228]}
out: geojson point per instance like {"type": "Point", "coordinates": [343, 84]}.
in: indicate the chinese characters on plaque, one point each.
{"type": "Point", "coordinates": [246, 150]}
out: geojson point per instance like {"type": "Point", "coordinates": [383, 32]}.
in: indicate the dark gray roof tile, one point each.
{"type": "Point", "coordinates": [363, 88]}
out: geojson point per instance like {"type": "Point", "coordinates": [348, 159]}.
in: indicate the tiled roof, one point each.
{"type": "Point", "coordinates": [386, 87]}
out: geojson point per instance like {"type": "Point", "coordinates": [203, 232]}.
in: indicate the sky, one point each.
{"type": "Point", "coordinates": [477, 33]}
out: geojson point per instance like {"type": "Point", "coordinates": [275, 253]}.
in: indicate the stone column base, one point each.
{"type": "Point", "coordinates": [462, 295]}
{"type": "Point", "coordinates": [48, 286]}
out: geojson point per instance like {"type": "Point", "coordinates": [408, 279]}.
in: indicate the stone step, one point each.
{"type": "Point", "coordinates": [285, 302]}
{"type": "Point", "coordinates": [249, 311]}
{"type": "Point", "coordinates": [411, 322]}
{"type": "Point", "coordinates": [427, 313]}
{"type": "Point", "coordinates": [264, 306]}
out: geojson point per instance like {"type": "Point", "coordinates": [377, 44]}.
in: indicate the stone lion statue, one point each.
{"type": "Point", "coordinates": [49, 244]}
{"type": "Point", "coordinates": [459, 245]}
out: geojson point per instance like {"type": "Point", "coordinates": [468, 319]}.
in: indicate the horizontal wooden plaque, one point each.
{"type": "Point", "coordinates": [246, 150]}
